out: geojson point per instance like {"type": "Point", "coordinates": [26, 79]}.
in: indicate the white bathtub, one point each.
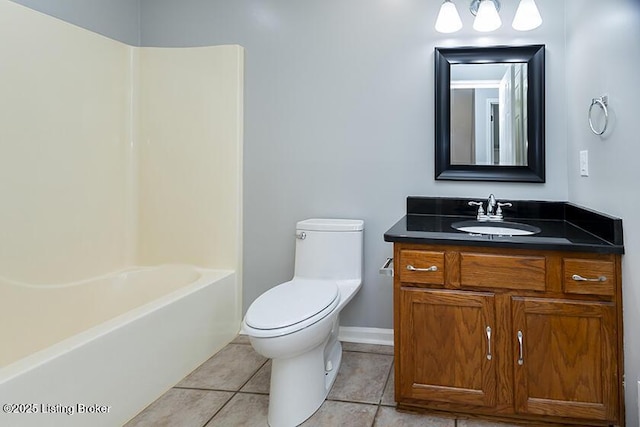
{"type": "Point", "coordinates": [97, 352]}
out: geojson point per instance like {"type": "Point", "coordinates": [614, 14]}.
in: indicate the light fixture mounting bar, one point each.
{"type": "Point", "coordinates": [475, 5]}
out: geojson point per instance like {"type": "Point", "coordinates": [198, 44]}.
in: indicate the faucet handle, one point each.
{"type": "Point", "coordinates": [500, 205]}
{"type": "Point", "coordinates": [479, 205]}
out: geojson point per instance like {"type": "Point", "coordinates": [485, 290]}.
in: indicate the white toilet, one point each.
{"type": "Point", "coordinates": [296, 322]}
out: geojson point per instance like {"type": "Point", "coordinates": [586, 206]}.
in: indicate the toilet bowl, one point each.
{"type": "Point", "coordinates": [296, 323]}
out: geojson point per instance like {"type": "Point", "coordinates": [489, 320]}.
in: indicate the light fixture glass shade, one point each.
{"type": "Point", "coordinates": [487, 18]}
{"type": "Point", "coordinates": [448, 19]}
{"type": "Point", "coordinates": [527, 16]}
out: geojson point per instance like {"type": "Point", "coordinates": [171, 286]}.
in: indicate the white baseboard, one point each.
{"type": "Point", "coordinates": [366, 335]}
{"type": "Point", "coordinates": [361, 335]}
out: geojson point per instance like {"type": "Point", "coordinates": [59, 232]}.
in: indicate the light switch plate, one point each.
{"type": "Point", "coordinates": [584, 163]}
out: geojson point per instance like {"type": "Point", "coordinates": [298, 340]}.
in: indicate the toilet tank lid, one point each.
{"type": "Point", "coordinates": [330, 224]}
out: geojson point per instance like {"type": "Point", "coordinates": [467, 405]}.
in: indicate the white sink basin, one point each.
{"type": "Point", "coordinates": [501, 228]}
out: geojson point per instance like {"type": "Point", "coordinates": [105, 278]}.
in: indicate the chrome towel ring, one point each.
{"type": "Point", "coordinates": [602, 102]}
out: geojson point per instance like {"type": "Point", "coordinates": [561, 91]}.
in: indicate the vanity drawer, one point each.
{"type": "Point", "coordinates": [525, 272]}
{"type": "Point", "coordinates": [421, 267]}
{"type": "Point", "coordinates": [589, 276]}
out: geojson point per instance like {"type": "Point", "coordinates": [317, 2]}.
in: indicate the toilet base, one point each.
{"type": "Point", "coordinates": [300, 384]}
{"type": "Point", "coordinates": [335, 357]}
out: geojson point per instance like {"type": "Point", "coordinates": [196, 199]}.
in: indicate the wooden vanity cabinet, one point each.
{"type": "Point", "coordinates": [444, 358]}
{"type": "Point", "coordinates": [567, 365]}
{"type": "Point", "coordinates": [509, 334]}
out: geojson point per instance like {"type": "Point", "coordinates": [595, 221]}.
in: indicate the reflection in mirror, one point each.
{"type": "Point", "coordinates": [489, 114]}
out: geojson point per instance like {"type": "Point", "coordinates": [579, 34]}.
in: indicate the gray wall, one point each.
{"type": "Point", "coordinates": [116, 19]}
{"type": "Point", "coordinates": [603, 57]}
{"type": "Point", "coordinates": [339, 118]}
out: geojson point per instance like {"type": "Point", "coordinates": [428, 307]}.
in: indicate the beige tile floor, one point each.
{"type": "Point", "coordinates": [232, 389]}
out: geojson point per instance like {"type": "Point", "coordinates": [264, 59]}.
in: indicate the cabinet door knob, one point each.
{"type": "Point", "coordinates": [520, 339]}
{"type": "Point", "coordinates": [412, 268]}
{"type": "Point", "coordinates": [579, 278]}
{"type": "Point", "coordinates": [489, 356]}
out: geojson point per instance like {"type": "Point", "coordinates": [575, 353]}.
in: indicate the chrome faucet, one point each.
{"type": "Point", "coordinates": [491, 204]}
{"type": "Point", "coordinates": [494, 209]}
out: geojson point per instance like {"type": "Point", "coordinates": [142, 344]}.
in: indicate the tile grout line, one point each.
{"type": "Point", "coordinates": [219, 409]}
{"type": "Point", "coordinates": [253, 375]}
{"type": "Point", "coordinates": [368, 352]}
{"type": "Point", "coordinates": [235, 393]}
{"type": "Point", "coordinates": [384, 388]}
{"type": "Point", "coordinates": [359, 402]}
{"type": "Point", "coordinates": [386, 382]}
{"type": "Point", "coordinates": [375, 416]}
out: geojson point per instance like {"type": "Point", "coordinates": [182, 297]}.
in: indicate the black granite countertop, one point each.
{"type": "Point", "coordinates": [564, 226]}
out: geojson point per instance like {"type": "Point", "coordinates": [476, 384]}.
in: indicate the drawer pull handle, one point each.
{"type": "Point", "coordinates": [520, 338]}
{"type": "Point", "coordinates": [412, 268]}
{"type": "Point", "coordinates": [489, 356]}
{"type": "Point", "coordinates": [579, 278]}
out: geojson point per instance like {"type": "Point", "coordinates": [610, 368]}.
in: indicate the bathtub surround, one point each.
{"type": "Point", "coordinates": [190, 156]}
{"type": "Point", "coordinates": [64, 126]}
{"type": "Point", "coordinates": [113, 156]}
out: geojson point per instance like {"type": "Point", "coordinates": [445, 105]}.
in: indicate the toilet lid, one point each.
{"type": "Point", "coordinates": [291, 302]}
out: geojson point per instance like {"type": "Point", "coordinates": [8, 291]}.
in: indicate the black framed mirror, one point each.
{"type": "Point", "coordinates": [489, 113]}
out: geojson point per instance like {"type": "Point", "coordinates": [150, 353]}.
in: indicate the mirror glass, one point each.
{"type": "Point", "coordinates": [490, 113]}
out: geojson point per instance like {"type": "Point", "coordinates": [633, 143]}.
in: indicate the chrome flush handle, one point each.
{"type": "Point", "coordinates": [387, 268]}
{"type": "Point", "coordinates": [302, 235]}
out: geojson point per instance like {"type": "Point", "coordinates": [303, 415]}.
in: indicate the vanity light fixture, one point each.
{"type": "Point", "coordinates": [487, 17]}
{"type": "Point", "coordinates": [448, 19]}
{"type": "Point", "coordinates": [527, 16]}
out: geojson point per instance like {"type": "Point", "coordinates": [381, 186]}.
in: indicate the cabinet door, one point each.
{"type": "Point", "coordinates": [564, 358]}
{"type": "Point", "coordinates": [447, 347]}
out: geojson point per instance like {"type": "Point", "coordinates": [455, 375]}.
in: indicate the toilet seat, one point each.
{"type": "Point", "coordinates": [290, 307]}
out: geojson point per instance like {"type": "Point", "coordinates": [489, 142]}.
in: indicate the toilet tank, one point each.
{"type": "Point", "coordinates": [329, 249]}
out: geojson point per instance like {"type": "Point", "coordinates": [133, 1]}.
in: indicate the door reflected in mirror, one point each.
{"type": "Point", "coordinates": [489, 114]}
